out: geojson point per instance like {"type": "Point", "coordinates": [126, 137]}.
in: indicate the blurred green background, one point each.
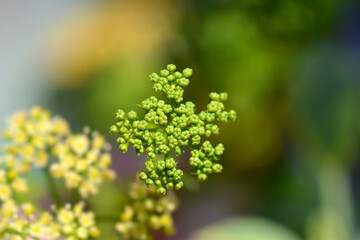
{"type": "Point", "coordinates": [292, 71]}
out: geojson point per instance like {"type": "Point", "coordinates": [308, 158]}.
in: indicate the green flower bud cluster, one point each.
{"type": "Point", "coordinates": [171, 82]}
{"type": "Point", "coordinates": [169, 127]}
{"type": "Point", "coordinates": [144, 212]}
{"type": "Point", "coordinates": [204, 160]}
{"type": "Point", "coordinates": [162, 173]}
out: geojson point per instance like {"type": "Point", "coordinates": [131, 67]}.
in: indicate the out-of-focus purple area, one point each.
{"type": "Point", "coordinates": [292, 71]}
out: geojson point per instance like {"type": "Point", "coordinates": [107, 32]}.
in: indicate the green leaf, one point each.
{"type": "Point", "coordinates": [246, 228]}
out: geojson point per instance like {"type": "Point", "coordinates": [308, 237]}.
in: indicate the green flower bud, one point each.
{"type": "Point", "coordinates": [123, 148]}
{"type": "Point", "coordinates": [149, 165]}
{"type": "Point", "coordinates": [120, 115]}
{"type": "Point", "coordinates": [158, 87]}
{"type": "Point", "coordinates": [215, 129]}
{"type": "Point", "coordinates": [202, 177]}
{"type": "Point", "coordinates": [217, 168]}
{"type": "Point", "coordinates": [232, 115]}
{"type": "Point", "coordinates": [120, 140]}
{"type": "Point", "coordinates": [157, 182]}
{"type": "Point", "coordinates": [132, 115]}
{"type": "Point", "coordinates": [207, 133]}
{"type": "Point", "coordinates": [171, 67]}
{"type": "Point", "coordinates": [179, 185]}
{"type": "Point", "coordinates": [164, 73]}
{"type": "Point", "coordinates": [219, 149]}
{"type": "Point", "coordinates": [161, 165]}
{"type": "Point", "coordinates": [161, 191]}
{"type": "Point", "coordinates": [143, 176]}
{"type": "Point", "coordinates": [223, 96]}
{"type": "Point", "coordinates": [149, 182]}
{"type": "Point", "coordinates": [171, 125]}
{"type": "Point", "coordinates": [154, 77]}
{"type": "Point", "coordinates": [207, 170]}
{"type": "Point", "coordinates": [114, 129]}
{"type": "Point", "coordinates": [171, 78]}
{"type": "Point", "coordinates": [187, 72]}
{"type": "Point", "coordinates": [123, 130]}
{"type": "Point", "coordinates": [170, 163]}
{"type": "Point", "coordinates": [214, 96]}
{"type": "Point", "coordinates": [178, 75]}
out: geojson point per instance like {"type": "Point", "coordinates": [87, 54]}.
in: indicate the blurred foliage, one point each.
{"type": "Point", "coordinates": [247, 228]}
{"type": "Point", "coordinates": [327, 116]}
{"type": "Point", "coordinates": [248, 47]}
{"type": "Point", "coordinates": [294, 89]}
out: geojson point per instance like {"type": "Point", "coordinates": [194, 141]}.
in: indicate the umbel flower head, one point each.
{"type": "Point", "coordinates": [83, 162]}
{"type": "Point", "coordinates": [37, 139]}
{"type": "Point", "coordinates": [144, 212]}
{"type": "Point", "coordinates": [23, 222]}
{"type": "Point", "coordinates": [168, 127]}
{"type": "Point", "coordinates": [32, 134]}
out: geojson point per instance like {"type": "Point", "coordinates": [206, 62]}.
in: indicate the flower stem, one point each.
{"type": "Point", "coordinates": [52, 188]}
{"type": "Point", "coordinates": [335, 193]}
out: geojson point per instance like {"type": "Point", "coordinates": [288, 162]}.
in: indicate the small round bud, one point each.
{"type": "Point", "coordinates": [149, 182]}
{"type": "Point", "coordinates": [161, 165]}
{"type": "Point", "coordinates": [171, 78]}
{"type": "Point", "coordinates": [161, 191]}
{"type": "Point", "coordinates": [157, 182]}
{"type": "Point", "coordinates": [114, 129]}
{"type": "Point", "coordinates": [132, 115]}
{"type": "Point", "coordinates": [214, 96]}
{"type": "Point", "coordinates": [171, 67]}
{"type": "Point", "coordinates": [207, 170]}
{"type": "Point", "coordinates": [178, 75]}
{"type": "Point", "coordinates": [232, 115]}
{"type": "Point", "coordinates": [143, 176]}
{"type": "Point", "coordinates": [120, 140]}
{"type": "Point", "coordinates": [164, 73]}
{"type": "Point", "coordinates": [179, 185]}
{"type": "Point", "coordinates": [202, 177]}
{"type": "Point", "coordinates": [170, 163]}
{"type": "Point", "coordinates": [123, 148]}
{"type": "Point", "coordinates": [217, 168]}
{"type": "Point", "coordinates": [223, 96]}
{"type": "Point", "coordinates": [120, 115]}
{"type": "Point", "coordinates": [170, 185]}
{"type": "Point", "coordinates": [187, 72]}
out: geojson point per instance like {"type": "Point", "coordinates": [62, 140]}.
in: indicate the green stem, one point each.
{"type": "Point", "coordinates": [335, 193]}
{"type": "Point", "coordinates": [106, 218]}
{"type": "Point", "coordinates": [12, 231]}
{"type": "Point", "coordinates": [52, 188]}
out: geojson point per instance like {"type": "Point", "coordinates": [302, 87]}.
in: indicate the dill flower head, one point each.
{"type": "Point", "coordinates": [170, 126]}
{"type": "Point", "coordinates": [83, 162]}
{"type": "Point", "coordinates": [37, 139]}
{"type": "Point", "coordinates": [19, 221]}
{"type": "Point", "coordinates": [74, 222]}
{"type": "Point", "coordinates": [10, 177]}
{"type": "Point", "coordinates": [144, 212]}
{"type": "Point", "coordinates": [69, 222]}
{"type": "Point", "coordinates": [31, 135]}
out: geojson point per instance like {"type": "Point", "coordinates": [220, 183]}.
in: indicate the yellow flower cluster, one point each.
{"type": "Point", "coordinates": [31, 135]}
{"type": "Point", "coordinates": [36, 138]}
{"type": "Point", "coordinates": [75, 223]}
{"type": "Point", "coordinates": [10, 177]}
{"type": "Point", "coordinates": [19, 222]}
{"type": "Point", "coordinates": [83, 162]}
{"type": "Point", "coordinates": [144, 212]}
{"type": "Point", "coordinates": [70, 223]}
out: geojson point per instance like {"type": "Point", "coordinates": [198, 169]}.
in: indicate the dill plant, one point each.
{"type": "Point", "coordinates": [170, 126]}
{"type": "Point", "coordinates": [82, 162]}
